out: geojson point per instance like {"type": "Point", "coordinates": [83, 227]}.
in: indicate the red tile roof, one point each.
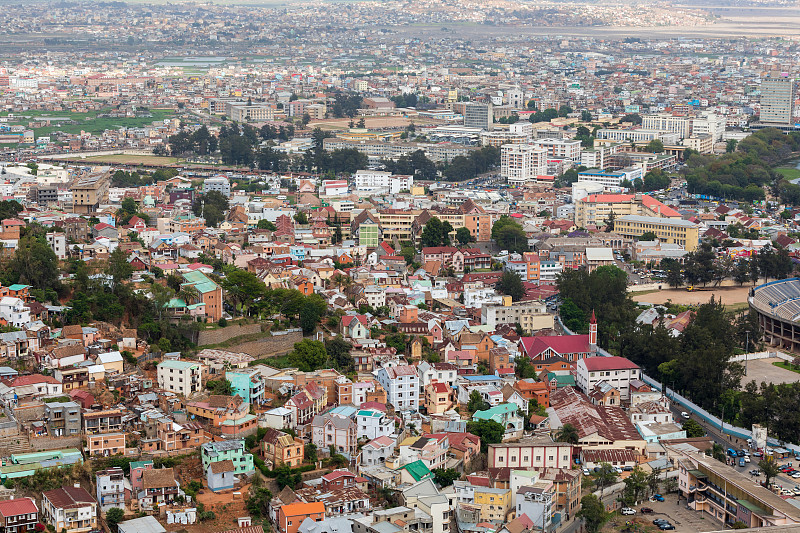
{"type": "Point", "coordinates": [594, 364]}
{"type": "Point", "coordinates": [33, 379]}
{"type": "Point", "coordinates": [18, 506]}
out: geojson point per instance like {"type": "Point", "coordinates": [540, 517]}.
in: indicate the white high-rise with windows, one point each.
{"type": "Point", "coordinates": [521, 163]}
{"type": "Point", "coordinates": [777, 99]}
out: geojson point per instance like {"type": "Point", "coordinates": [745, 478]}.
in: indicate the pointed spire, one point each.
{"type": "Point", "coordinates": [593, 320]}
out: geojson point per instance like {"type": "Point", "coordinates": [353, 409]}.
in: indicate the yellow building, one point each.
{"type": "Point", "coordinates": [595, 209]}
{"type": "Point", "coordinates": [672, 231]}
{"type": "Point", "coordinates": [495, 503]}
{"type": "Point", "coordinates": [398, 223]}
{"type": "Point", "coordinates": [89, 191]}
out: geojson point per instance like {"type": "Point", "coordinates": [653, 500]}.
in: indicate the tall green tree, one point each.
{"type": "Point", "coordinates": [593, 513]}
{"type": "Point", "coordinates": [308, 355]}
{"type": "Point", "coordinates": [511, 284]}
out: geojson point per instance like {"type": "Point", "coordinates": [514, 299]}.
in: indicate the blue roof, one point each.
{"type": "Point", "coordinates": [480, 378]}
{"type": "Point", "coordinates": [344, 410]}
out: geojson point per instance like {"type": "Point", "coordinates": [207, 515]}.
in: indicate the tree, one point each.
{"type": "Point", "coordinates": [730, 145]}
{"type": "Point", "coordinates": [693, 429]}
{"type": "Point", "coordinates": [310, 452]}
{"type": "Point", "coordinates": [655, 146]}
{"type": "Point", "coordinates": [654, 480]}
{"type": "Point", "coordinates": [34, 263]}
{"type": "Point", "coordinates": [463, 236]}
{"type": "Point", "coordinates": [436, 233]}
{"type": "Point", "coordinates": [488, 431]}
{"type": "Point", "coordinates": [308, 355]}
{"type": "Point", "coordinates": [586, 116]}
{"type": "Point", "coordinates": [242, 287]}
{"type": "Point", "coordinates": [114, 516]}
{"type": "Point", "coordinates": [593, 513]}
{"type": "Point", "coordinates": [408, 253]}
{"type": "Point", "coordinates": [476, 402]}
{"type": "Point", "coordinates": [339, 351]}
{"type": "Point", "coordinates": [636, 485]}
{"type": "Point", "coordinates": [605, 476]}
{"type": "Point", "coordinates": [769, 468]}
{"type": "Point", "coordinates": [266, 224]}
{"type": "Point", "coordinates": [445, 477]}
{"type": "Point", "coordinates": [118, 266]}
{"type": "Point", "coordinates": [568, 433]}
{"type": "Point", "coordinates": [648, 236]}
{"type": "Point", "coordinates": [301, 218]}
{"type": "Point", "coordinates": [286, 477]}
{"type": "Point", "coordinates": [220, 387]}
{"type": "Point", "coordinates": [511, 284]}
{"type": "Point", "coordinates": [509, 235]}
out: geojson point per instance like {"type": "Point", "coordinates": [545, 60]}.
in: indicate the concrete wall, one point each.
{"type": "Point", "coordinates": [216, 336]}
{"type": "Point", "coordinates": [30, 411]}
{"type": "Point", "coordinates": [56, 443]}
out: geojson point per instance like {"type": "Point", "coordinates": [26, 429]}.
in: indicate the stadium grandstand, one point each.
{"type": "Point", "coordinates": [777, 304]}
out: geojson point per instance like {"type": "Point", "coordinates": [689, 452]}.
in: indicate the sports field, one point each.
{"type": "Point", "coordinates": [732, 297]}
{"type": "Point", "coordinates": [125, 159]}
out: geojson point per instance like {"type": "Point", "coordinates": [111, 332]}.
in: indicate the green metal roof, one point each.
{"type": "Point", "coordinates": [178, 365]}
{"type": "Point", "coordinates": [18, 287]}
{"type": "Point", "coordinates": [417, 469]}
{"type": "Point", "coordinates": [201, 282]}
{"type": "Point", "coordinates": [140, 464]}
{"type": "Point", "coordinates": [175, 303]}
{"type": "Point", "coordinates": [752, 507]}
{"type": "Point", "coordinates": [497, 410]}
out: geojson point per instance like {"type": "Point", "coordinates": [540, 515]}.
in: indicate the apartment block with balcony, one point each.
{"type": "Point", "coordinates": [720, 492]}
{"type": "Point", "coordinates": [62, 418]}
{"type": "Point", "coordinates": [105, 444]}
{"type": "Point", "coordinates": [180, 377]}
{"type": "Point", "coordinates": [70, 509]}
{"type": "Point", "coordinates": [102, 421]}
{"type": "Point", "coordinates": [110, 488]}
{"type": "Point", "coordinates": [18, 515]}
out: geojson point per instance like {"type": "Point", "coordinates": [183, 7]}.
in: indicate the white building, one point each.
{"type": "Point", "coordinates": [333, 188]}
{"type": "Point", "coordinates": [483, 295]}
{"type": "Point", "coordinates": [335, 430]}
{"type": "Point", "coordinates": [376, 451]}
{"type": "Point", "coordinates": [58, 242]}
{"type": "Point", "coordinates": [567, 149]}
{"type": "Point", "coordinates": [373, 424]}
{"type": "Point", "coordinates": [14, 311]}
{"type": "Point", "coordinates": [219, 184]}
{"type": "Point", "coordinates": [180, 377]}
{"type": "Point", "coordinates": [711, 124]}
{"type": "Point", "coordinates": [441, 372]}
{"type": "Point", "coordinates": [376, 296]}
{"type": "Point", "coordinates": [376, 180]}
{"type": "Point", "coordinates": [401, 384]}
{"type": "Point", "coordinates": [111, 488]}
{"type": "Point", "coordinates": [616, 371]}
{"type": "Point", "coordinates": [668, 123]}
{"type": "Point", "coordinates": [521, 163]}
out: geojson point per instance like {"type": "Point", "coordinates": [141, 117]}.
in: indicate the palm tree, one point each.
{"type": "Point", "coordinates": [189, 293]}
{"type": "Point", "coordinates": [568, 433]}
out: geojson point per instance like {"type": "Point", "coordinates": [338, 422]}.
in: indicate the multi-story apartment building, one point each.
{"type": "Point", "coordinates": [637, 135]}
{"type": "Point", "coordinates": [232, 449]}
{"type": "Point", "coordinates": [106, 421]}
{"type": "Point", "coordinates": [398, 223]}
{"type": "Point", "coordinates": [70, 509]}
{"type": "Point", "coordinates": [682, 125]}
{"type": "Point", "coordinates": [18, 515]}
{"type": "Point", "coordinates": [241, 112]}
{"type": "Point", "coordinates": [89, 192]}
{"type": "Point", "coordinates": [565, 149]}
{"type": "Point", "coordinates": [616, 371]}
{"type": "Point", "coordinates": [372, 423]}
{"type": "Point", "coordinates": [727, 496]}
{"type": "Point", "coordinates": [110, 488]}
{"type": "Point", "coordinates": [248, 384]}
{"type": "Point", "coordinates": [159, 487]}
{"type": "Point", "coordinates": [595, 209]}
{"type": "Point", "coordinates": [180, 377]}
{"type": "Point", "coordinates": [62, 418]}
{"type": "Point", "coordinates": [292, 515]}
{"type": "Point", "coordinates": [610, 180]}
{"type": "Point", "coordinates": [377, 180]}
{"type": "Point", "coordinates": [401, 384]}
{"type": "Point", "coordinates": [777, 99]}
{"type": "Point", "coordinates": [600, 156]}
{"type": "Point", "coordinates": [478, 115]}
{"type": "Point", "coordinates": [138, 469]}
{"type": "Point", "coordinates": [521, 163]}
{"type": "Point", "coordinates": [105, 444]}
{"type": "Point", "coordinates": [671, 231]}
{"type": "Point", "coordinates": [335, 430]}
{"type": "Point", "coordinates": [219, 184]}
{"type": "Point", "coordinates": [532, 315]}
{"type": "Point", "coordinates": [530, 453]}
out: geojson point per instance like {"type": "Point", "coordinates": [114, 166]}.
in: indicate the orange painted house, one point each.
{"type": "Point", "coordinates": [291, 516]}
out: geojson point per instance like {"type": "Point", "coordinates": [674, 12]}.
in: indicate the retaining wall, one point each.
{"type": "Point", "coordinates": [216, 336]}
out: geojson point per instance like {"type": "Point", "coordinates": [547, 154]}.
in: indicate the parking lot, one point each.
{"type": "Point", "coordinates": [763, 370]}
{"type": "Point", "coordinates": [685, 520]}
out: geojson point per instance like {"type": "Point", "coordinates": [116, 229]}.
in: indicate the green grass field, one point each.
{"type": "Point", "coordinates": [789, 173]}
{"type": "Point", "coordinates": [787, 366]}
{"type": "Point", "coordinates": [89, 122]}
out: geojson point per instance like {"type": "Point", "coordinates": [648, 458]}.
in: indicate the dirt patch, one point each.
{"type": "Point", "coordinates": [125, 159]}
{"type": "Point", "coordinates": [227, 507]}
{"type": "Point", "coordinates": [730, 296]}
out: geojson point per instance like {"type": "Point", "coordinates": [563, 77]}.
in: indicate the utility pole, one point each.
{"type": "Point", "coordinates": [746, 348]}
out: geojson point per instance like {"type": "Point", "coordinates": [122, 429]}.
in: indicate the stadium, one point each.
{"type": "Point", "coordinates": [777, 304]}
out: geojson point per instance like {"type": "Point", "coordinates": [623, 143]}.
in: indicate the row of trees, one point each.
{"type": "Point", "coordinates": [549, 114]}
{"type": "Point", "coordinates": [509, 235]}
{"type": "Point", "coordinates": [705, 266]}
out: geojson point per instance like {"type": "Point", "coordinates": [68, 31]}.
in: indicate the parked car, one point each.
{"type": "Point", "coordinates": [795, 475]}
{"type": "Point", "coordinates": [666, 526]}
{"type": "Point", "coordinates": [646, 510]}
{"type": "Point", "coordinates": [587, 472]}
{"type": "Point", "coordinates": [657, 498]}
{"type": "Point", "coordinates": [747, 458]}
{"type": "Point", "coordinates": [660, 521]}
{"type": "Point", "coordinates": [758, 454]}
{"type": "Point", "coordinates": [627, 511]}
{"type": "Point", "coordinates": [627, 468]}
{"type": "Point", "coordinates": [755, 472]}
{"type": "Point", "coordinates": [685, 414]}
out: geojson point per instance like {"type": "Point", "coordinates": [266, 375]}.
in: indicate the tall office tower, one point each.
{"type": "Point", "coordinates": [777, 99]}
{"type": "Point", "coordinates": [477, 115]}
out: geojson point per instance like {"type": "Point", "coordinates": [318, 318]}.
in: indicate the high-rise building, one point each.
{"type": "Point", "coordinates": [478, 115]}
{"type": "Point", "coordinates": [777, 99]}
{"type": "Point", "coordinates": [521, 163]}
